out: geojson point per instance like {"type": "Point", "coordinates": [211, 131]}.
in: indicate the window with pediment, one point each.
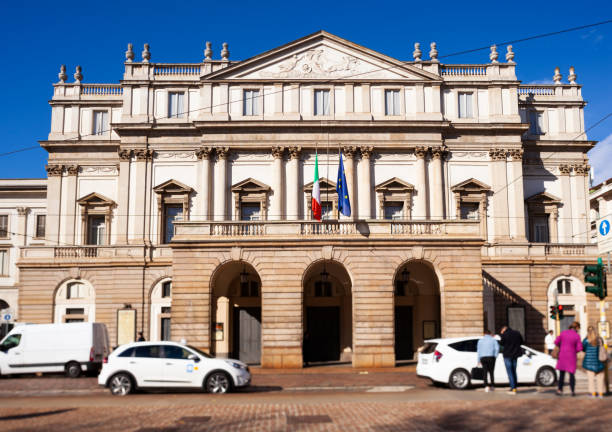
{"type": "Point", "coordinates": [543, 212]}
{"type": "Point", "coordinates": [172, 205]}
{"type": "Point", "coordinates": [471, 201]}
{"type": "Point", "coordinates": [394, 199]}
{"type": "Point", "coordinates": [251, 200]}
{"type": "Point", "coordinates": [329, 199]}
{"type": "Point", "coordinates": [96, 214]}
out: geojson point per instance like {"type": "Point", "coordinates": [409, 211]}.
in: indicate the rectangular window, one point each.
{"type": "Point", "coordinates": [392, 102]}
{"type": "Point", "coordinates": [536, 122]}
{"type": "Point", "coordinates": [176, 104]}
{"type": "Point", "coordinates": [251, 102]}
{"type": "Point", "coordinates": [540, 229]}
{"type": "Point", "coordinates": [96, 230]}
{"type": "Point", "coordinates": [327, 210]}
{"type": "Point", "coordinates": [321, 102]}
{"type": "Point", "coordinates": [100, 123]}
{"type": "Point", "coordinates": [75, 290]}
{"type": "Point", "coordinates": [4, 226]}
{"type": "Point", "coordinates": [166, 289]}
{"type": "Point", "coordinates": [41, 222]}
{"type": "Point", "coordinates": [469, 211]}
{"type": "Point", "coordinates": [564, 286]}
{"type": "Point", "coordinates": [4, 262]}
{"type": "Point", "coordinates": [250, 211]}
{"type": "Point", "coordinates": [394, 210]}
{"type": "Point", "coordinates": [74, 315]}
{"type": "Point", "coordinates": [172, 213]}
{"type": "Point", "coordinates": [465, 105]}
{"type": "Point", "coordinates": [165, 329]}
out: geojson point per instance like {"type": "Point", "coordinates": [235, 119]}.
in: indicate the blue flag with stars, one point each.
{"type": "Point", "coordinates": [344, 204]}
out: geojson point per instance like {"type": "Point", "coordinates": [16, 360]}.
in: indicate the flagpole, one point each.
{"type": "Point", "coordinates": [327, 175]}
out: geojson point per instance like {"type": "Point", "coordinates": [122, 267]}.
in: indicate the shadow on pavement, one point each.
{"type": "Point", "coordinates": [249, 389]}
{"type": "Point", "coordinates": [35, 414]}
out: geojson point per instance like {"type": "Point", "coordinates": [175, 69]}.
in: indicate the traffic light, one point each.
{"type": "Point", "coordinates": [553, 312]}
{"type": "Point", "coordinates": [560, 309]}
{"type": "Point", "coordinates": [595, 275]}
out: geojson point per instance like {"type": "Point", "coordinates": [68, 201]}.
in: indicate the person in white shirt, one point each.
{"type": "Point", "coordinates": [549, 341]}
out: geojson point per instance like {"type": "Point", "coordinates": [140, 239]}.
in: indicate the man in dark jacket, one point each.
{"type": "Point", "coordinates": [511, 341]}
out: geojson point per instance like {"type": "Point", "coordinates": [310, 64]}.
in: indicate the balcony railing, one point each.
{"type": "Point", "coordinates": [463, 70]}
{"type": "Point", "coordinates": [548, 90]}
{"type": "Point", "coordinates": [94, 253]}
{"type": "Point", "coordinates": [101, 89]}
{"type": "Point", "coordinates": [176, 69]}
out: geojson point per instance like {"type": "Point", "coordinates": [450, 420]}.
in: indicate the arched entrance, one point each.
{"type": "Point", "coordinates": [328, 317]}
{"type": "Point", "coordinates": [236, 312]}
{"type": "Point", "coordinates": [417, 307]}
{"type": "Point", "coordinates": [568, 292]}
{"type": "Point", "coordinates": [161, 304]}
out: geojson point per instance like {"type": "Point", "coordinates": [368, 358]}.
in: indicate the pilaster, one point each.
{"type": "Point", "coordinates": [54, 196]}
{"type": "Point", "coordinates": [349, 168]}
{"type": "Point", "coordinates": [566, 212]}
{"type": "Point", "coordinates": [123, 194]}
{"type": "Point", "coordinates": [204, 154]}
{"type": "Point", "coordinates": [293, 189]}
{"type": "Point", "coordinates": [220, 194]}
{"type": "Point", "coordinates": [364, 199]}
{"type": "Point", "coordinates": [420, 202]}
{"type": "Point", "coordinates": [277, 187]}
{"type": "Point", "coordinates": [500, 194]}
{"type": "Point", "coordinates": [21, 231]}
{"type": "Point", "coordinates": [516, 195]}
{"type": "Point", "coordinates": [437, 196]}
{"type": "Point", "coordinates": [70, 207]}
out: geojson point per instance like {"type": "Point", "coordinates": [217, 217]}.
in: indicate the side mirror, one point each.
{"type": "Point", "coordinates": [193, 357]}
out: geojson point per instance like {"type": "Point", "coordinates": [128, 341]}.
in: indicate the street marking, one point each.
{"type": "Point", "coordinates": [389, 389]}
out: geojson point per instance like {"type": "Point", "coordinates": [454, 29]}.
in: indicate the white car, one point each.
{"type": "Point", "coordinates": [170, 365]}
{"type": "Point", "coordinates": [451, 360]}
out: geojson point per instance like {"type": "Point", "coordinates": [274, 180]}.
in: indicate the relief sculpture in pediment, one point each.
{"type": "Point", "coordinates": [314, 63]}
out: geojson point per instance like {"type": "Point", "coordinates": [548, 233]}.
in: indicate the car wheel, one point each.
{"type": "Point", "coordinates": [73, 370]}
{"type": "Point", "coordinates": [120, 384]}
{"type": "Point", "coordinates": [459, 379]}
{"type": "Point", "coordinates": [546, 377]}
{"type": "Point", "coordinates": [218, 382]}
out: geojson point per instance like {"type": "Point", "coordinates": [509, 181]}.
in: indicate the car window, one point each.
{"type": "Point", "coordinates": [469, 345]}
{"type": "Point", "coordinates": [128, 352]}
{"type": "Point", "coordinates": [11, 342]}
{"type": "Point", "coordinates": [148, 351]}
{"type": "Point", "coordinates": [175, 352]}
{"type": "Point", "coordinates": [202, 353]}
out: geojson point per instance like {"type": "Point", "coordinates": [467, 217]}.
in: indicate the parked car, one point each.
{"type": "Point", "coordinates": [451, 360]}
{"type": "Point", "coordinates": [72, 348]}
{"type": "Point", "coordinates": [170, 365]}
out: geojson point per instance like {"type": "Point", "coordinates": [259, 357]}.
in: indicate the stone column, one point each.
{"type": "Point", "coordinates": [565, 212]}
{"type": "Point", "coordinates": [70, 208]}
{"type": "Point", "coordinates": [437, 195]}
{"type": "Point", "coordinates": [500, 194]}
{"type": "Point", "coordinates": [276, 205]}
{"type": "Point", "coordinates": [365, 184]}
{"type": "Point", "coordinates": [21, 231]}
{"type": "Point", "coordinates": [582, 203]}
{"type": "Point", "coordinates": [123, 193]}
{"type": "Point", "coordinates": [420, 204]}
{"type": "Point", "coordinates": [54, 194]}
{"type": "Point", "coordinates": [517, 197]}
{"type": "Point", "coordinates": [141, 209]}
{"type": "Point", "coordinates": [220, 197]}
{"type": "Point", "coordinates": [293, 187]}
{"type": "Point", "coordinates": [553, 221]}
{"type": "Point", "coordinates": [204, 154]}
{"type": "Point", "coordinates": [349, 170]}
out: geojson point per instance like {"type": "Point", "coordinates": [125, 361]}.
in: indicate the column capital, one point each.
{"type": "Point", "coordinates": [439, 152]}
{"type": "Point", "coordinates": [497, 154]}
{"type": "Point", "coordinates": [349, 151]}
{"type": "Point", "coordinates": [222, 152]}
{"type": "Point", "coordinates": [421, 152]}
{"type": "Point", "coordinates": [366, 151]}
{"type": "Point", "coordinates": [143, 154]}
{"type": "Point", "coordinates": [22, 211]}
{"type": "Point", "coordinates": [516, 154]}
{"type": "Point", "coordinates": [278, 152]}
{"type": "Point", "coordinates": [565, 169]}
{"type": "Point", "coordinates": [72, 170]}
{"type": "Point", "coordinates": [125, 155]}
{"type": "Point", "coordinates": [204, 153]}
{"type": "Point", "coordinates": [54, 170]}
{"type": "Point", "coordinates": [582, 169]}
{"type": "Point", "coordinates": [295, 152]}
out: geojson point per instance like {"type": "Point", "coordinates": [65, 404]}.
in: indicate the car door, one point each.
{"type": "Point", "coordinates": [466, 356]}
{"type": "Point", "coordinates": [526, 367]}
{"type": "Point", "coordinates": [500, 373]}
{"type": "Point", "coordinates": [12, 348]}
{"type": "Point", "coordinates": [147, 366]}
{"type": "Point", "coordinates": [179, 370]}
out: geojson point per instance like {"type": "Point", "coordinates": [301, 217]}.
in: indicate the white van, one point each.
{"type": "Point", "coordinates": [72, 348]}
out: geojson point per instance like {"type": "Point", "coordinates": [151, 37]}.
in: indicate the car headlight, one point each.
{"type": "Point", "coordinates": [235, 365]}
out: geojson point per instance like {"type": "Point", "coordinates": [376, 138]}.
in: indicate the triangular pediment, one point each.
{"type": "Point", "coordinates": [394, 184]}
{"type": "Point", "coordinates": [324, 184]}
{"type": "Point", "coordinates": [172, 186]}
{"type": "Point", "coordinates": [322, 55]}
{"type": "Point", "coordinates": [250, 185]}
{"type": "Point", "coordinates": [95, 199]}
{"type": "Point", "coordinates": [543, 198]}
{"type": "Point", "coordinates": [470, 185]}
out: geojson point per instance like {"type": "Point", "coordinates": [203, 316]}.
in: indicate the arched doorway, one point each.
{"type": "Point", "coordinates": [236, 312]}
{"type": "Point", "coordinates": [328, 317]}
{"type": "Point", "coordinates": [161, 304]}
{"type": "Point", "coordinates": [75, 301]}
{"type": "Point", "coordinates": [568, 292]}
{"type": "Point", "coordinates": [417, 307]}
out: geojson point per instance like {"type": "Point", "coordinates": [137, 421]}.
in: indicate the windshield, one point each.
{"type": "Point", "coordinates": [202, 353]}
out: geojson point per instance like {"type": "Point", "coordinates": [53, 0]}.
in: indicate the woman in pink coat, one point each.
{"type": "Point", "coordinates": [569, 345]}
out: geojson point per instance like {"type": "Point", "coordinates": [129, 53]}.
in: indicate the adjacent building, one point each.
{"type": "Point", "coordinates": [179, 203]}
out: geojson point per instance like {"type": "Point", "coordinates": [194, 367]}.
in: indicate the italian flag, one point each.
{"type": "Point", "coordinates": [316, 192]}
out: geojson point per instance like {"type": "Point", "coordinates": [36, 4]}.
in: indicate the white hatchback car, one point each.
{"type": "Point", "coordinates": [451, 360]}
{"type": "Point", "coordinates": [170, 365]}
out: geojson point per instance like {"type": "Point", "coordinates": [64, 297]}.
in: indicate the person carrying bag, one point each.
{"type": "Point", "coordinates": [594, 352]}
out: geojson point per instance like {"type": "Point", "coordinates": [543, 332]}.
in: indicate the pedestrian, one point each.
{"type": "Point", "coordinates": [569, 345]}
{"type": "Point", "coordinates": [511, 340]}
{"type": "Point", "coordinates": [488, 349]}
{"type": "Point", "coordinates": [141, 337]}
{"type": "Point", "coordinates": [591, 363]}
{"type": "Point", "coordinates": [549, 341]}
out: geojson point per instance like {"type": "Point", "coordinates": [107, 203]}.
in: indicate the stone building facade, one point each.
{"type": "Point", "coordinates": [184, 193]}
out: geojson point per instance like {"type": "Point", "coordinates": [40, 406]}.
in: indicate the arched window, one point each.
{"type": "Point", "coordinates": [75, 301]}
{"type": "Point", "coordinates": [161, 303]}
{"type": "Point", "coordinates": [564, 286]}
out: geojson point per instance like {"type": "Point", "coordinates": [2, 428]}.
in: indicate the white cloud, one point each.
{"type": "Point", "coordinates": [600, 158]}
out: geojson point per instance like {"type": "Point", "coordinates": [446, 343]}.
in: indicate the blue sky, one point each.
{"type": "Point", "coordinates": [37, 37]}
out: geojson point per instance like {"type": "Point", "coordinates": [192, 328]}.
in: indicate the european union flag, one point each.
{"type": "Point", "coordinates": [344, 204]}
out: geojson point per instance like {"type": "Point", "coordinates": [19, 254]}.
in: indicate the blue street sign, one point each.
{"type": "Point", "coordinates": [604, 227]}
{"type": "Point", "coordinates": [7, 317]}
